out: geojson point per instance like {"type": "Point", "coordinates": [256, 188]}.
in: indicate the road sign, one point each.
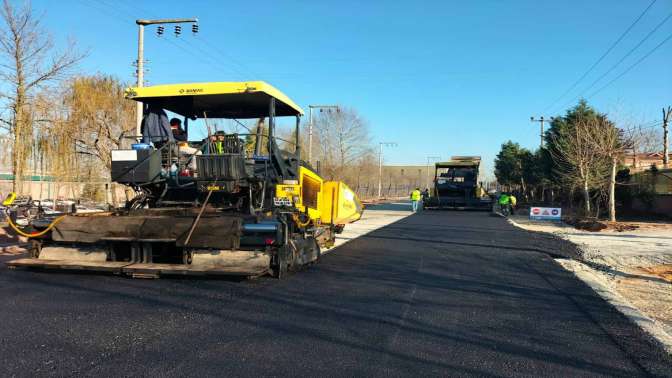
{"type": "Point", "coordinates": [545, 213]}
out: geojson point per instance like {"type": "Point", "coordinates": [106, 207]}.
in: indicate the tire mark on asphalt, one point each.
{"type": "Point", "coordinates": [402, 321]}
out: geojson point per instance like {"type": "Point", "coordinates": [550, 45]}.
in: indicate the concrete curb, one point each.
{"type": "Point", "coordinates": [513, 222]}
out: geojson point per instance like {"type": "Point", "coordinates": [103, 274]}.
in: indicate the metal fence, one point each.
{"type": "Point", "coordinates": [367, 192]}
{"type": "Point", "coordinates": [98, 192]}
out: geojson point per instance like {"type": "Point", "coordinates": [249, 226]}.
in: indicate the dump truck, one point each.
{"type": "Point", "coordinates": [232, 204]}
{"type": "Point", "coordinates": [456, 186]}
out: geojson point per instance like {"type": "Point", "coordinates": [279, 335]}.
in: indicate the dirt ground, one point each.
{"type": "Point", "coordinates": [634, 259]}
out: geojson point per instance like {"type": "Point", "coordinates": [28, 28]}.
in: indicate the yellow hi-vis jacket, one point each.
{"type": "Point", "coordinates": [415, 195]}
{"type": "Point", "coordinates": [513, 200]}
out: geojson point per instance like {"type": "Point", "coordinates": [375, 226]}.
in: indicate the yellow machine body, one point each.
{"type": "Point", "coordinates": [11, 197]}
{"type": "Point", "coordinates": [305, 195]}
{"type": "Point", "coordinates": [220, 236]}
{"type": "Point", "coordinates": [328, 202]}
{"type": "Point", "coordinates": [340, 204]}
{"type": "Point", "coordinates": [480, 192]}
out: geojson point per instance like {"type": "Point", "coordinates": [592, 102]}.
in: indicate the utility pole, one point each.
{"type": "Point", "coordinates": [666, 121]}
{"type": "Point", "coordinates": [435, 158]}
{"type": "Point", "coordinates": [380, 165]}
{"type": "Point", "coordinates": [310, 125]}
{"type": "Point", "coordinates": [541, 121]}
{"type": "Point", "coordinates": [140, 73]}
{"type": "Point", "coordinates": [140, 63]}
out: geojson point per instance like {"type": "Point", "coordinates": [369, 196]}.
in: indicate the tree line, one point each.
{"type": "Point", "coordinates": [65, 124]}
{"type": "Point", "coordinates": [581, 160]}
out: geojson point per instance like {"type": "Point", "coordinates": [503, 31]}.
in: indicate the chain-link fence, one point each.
{"type": "Point", "coordinates": [389, 190]}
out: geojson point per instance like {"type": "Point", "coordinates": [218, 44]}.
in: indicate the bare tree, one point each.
{"type": "Point", "coordinates": [27, 64]}
{"type": "Point", "coordinates": [579, 163]}
{"type": "Point", "coordinates": [610, 144]}
{"type": "Point", "coordinates": [343, 139]}
{"type": "Point", "coordinates": [642, 140]}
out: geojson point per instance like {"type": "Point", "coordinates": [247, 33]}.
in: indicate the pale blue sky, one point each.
{"type": "Point", "coordinates": [437, 77]}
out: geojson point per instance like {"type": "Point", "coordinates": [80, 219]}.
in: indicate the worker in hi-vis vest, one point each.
{"type": "Point", "coordinates": [505, 203]}
{"type": "Point", "coordinates": [512, 203]}
{"type": "Point", "coordinates": [416, 195]}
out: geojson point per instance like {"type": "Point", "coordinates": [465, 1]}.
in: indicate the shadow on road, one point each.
{"type": "Point", "coordinates": [390, 206]}
{"type": "Point", "coordinates": [432, 294]}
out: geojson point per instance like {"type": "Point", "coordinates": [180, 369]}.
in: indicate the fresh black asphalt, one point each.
{"type": "Point", "coordinates": [435, 294]}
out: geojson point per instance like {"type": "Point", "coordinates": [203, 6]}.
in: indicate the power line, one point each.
{"type": "Point", "coordinates": [632, 66]}
{"type": "Point", "coordinates": [581, 95]}
{"type": "Point", "coordinates": [235, 67]}
{"type": "Point", "coordinates": [603, 56]}
{"type": "Point", "coordinates": [651, 126]}
{"type": "Point", "coordinates": [628, 54]}
{"type": "Point", "coordinates": [214, 58]}
{"type": "Point", "coordinates": [97, 7]}
{"type": "Point", "coordinates": [125, 14]}
{"type": "Point", "coordinates": [231, 58]}
{"type": "Point", "coordinates": [102, 7]}
{"type": "Point", "coordinates": [654, 122]}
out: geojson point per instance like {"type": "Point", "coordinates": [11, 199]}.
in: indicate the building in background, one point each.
{"type": "Point", "coordinates": [643, 161]}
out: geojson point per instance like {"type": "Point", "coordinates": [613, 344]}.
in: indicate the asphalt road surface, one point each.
{"type": "Point", "coordinates": [435, 294]}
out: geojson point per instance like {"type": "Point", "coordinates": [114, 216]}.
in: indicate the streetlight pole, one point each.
{"type": "Point", "coordinates": [380, 165]}
{"type": "Point", "coordinates": [310, 125]}
{"type": "Point", "coordinates": [140, 64]}
{"type": "Point", "coordinates": [541, 121]}
{"type": "Point", "coordinates": [435, 158]}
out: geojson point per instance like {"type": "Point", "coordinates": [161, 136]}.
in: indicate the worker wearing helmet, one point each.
{"type": "Point", "coordinates": [221, 142]}
{"type": "Point", "coordinates": [214, 144]}
{"type": "Point", "coordinates": [416, 195]}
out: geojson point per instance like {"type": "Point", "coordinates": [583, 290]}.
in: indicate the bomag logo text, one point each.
{"type": "Point", "coordinates": [191, 90]}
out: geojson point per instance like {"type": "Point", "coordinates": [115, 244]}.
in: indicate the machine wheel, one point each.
{"type": "Point", "coordinates": [281, 269]}
{"type": "Point", "coordinates": [313, 250]}
{"type": "Point", "coordinates": [35, 248]}
{"type": "Point", "coordinates": [296, 255]}
{"type": "Point", "coordinates": [187, 257]}
{"type": "Point", "coordinates": [297, 260]}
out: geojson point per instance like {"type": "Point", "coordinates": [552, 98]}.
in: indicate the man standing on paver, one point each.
{"type": "Point", "coordinates": [415, 199]}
